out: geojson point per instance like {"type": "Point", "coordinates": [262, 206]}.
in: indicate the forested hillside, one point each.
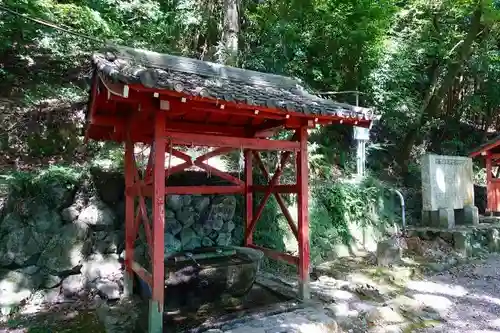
{"type": "Point", "coordinates": [431, 69]}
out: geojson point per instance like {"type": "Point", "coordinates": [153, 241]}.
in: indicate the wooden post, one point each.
{"type": "Point", "coordinates": [303, 214]}
{"type": "Point", "coordinates": [248, 197]}
{"type": "Point", "coordinates": [490, 190]}
{"type": "Point", "coordinates": [129, 218]}
{"type": "Point", "coordinates": [158, 268]}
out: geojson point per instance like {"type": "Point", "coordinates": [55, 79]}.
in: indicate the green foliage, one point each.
{"type": "Point", "coordinates": [330, 44]}
{"type": "Point", "coordinates": [42, 187]}
{"type": "Point", "coordinates": [337, 206]}
{"type": "Point", "coordinates": [269, 232]}
{"type": "Point", "coordinates": [110, 156]}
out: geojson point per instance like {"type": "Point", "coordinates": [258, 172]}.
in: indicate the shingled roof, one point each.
{"type": "Point", "coordinates": [490, 145]}
{"type": "Point", "coordinates": [205, 79]}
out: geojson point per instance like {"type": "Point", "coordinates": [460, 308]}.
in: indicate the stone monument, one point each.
{"type": "Point", "coordinates": [448, 191]}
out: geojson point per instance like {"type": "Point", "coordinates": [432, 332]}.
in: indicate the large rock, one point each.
{"type": "Point", "coordinates": [217, 224]}
{"type": "Point", "coordinates": [109, 290]}
{"type": "Point", "coordinates": [172, 225]}
{"type": "Point", "coordinates": [18, 247]}
{"type": "Point", "coordinates": [384, 315]}
{"type": "Point", "coordinates": [46, 280]}
{"type": "Point", "coordinates": [199, 229]}
{"type": "Point", "coordinates": [73, 285]}
{"type": "Point", "coordinates": [121, 317]}
{"type": "Point", "coordinates": [228, 227]}
{"type": "Point", "coordinates": [201, 203]}
{"type": "Point", "coordinates": [99, 268]}
{"type": "Point", "coordinates": [207, 242]}
{"type": "Point", "coordinates": [12, 221]}
{"type": "Point", "coordinates": [107, 241]}
{"type": "Point", "coordinates": [109, 185]}
{"type": "Point", "coordinates": [65, 251]}
{"type": "Point", "coordinates": [389, 252]}
{"type": "Point", "coordinates": [172, 244]}
{"type": "Point", "coordinates": [14, 289]}
{"type": "Point", "coordinates": [174, 202]}
{"type": "Point", "coordinates": [186, 216]}
{"type": "Point", "coordinates": [222, 208]}
{"type": "Point", "coordinates": [70, 213]}
{"type": "Point", "coordinates": [45, 220]}
{"type": "Point", "coordinates": [224, 239]}
{"type": "Point", "coordinates": [190, 240]}
{"type": "Point", "coordinates": [97, 215]}
{"type": "Point", "coordinates": [186, 200]}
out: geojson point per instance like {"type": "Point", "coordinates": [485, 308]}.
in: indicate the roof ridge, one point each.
{"type": "Point", "coordinates": [195, 66]}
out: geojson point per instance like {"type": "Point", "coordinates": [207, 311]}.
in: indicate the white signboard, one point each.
{"type": "Point", "coordinates": [361, 133]}
{"type": "Point", "coordinates": [447, 182]}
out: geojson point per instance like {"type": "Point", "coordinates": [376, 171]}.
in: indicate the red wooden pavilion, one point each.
{"type": "Point", "coordinates": [144, 97]}
{"type": "Point", "coordinates": [490, 151]}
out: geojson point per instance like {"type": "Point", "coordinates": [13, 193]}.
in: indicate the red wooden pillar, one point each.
{"type": "Point", "coordinates": [248, 196]}
{"type": "Point", "coordinates": [490, 187]}
{"type": "Point", "coordinates": [303, 214]}
{"type": "Point", "coordinates": [158, 268]}
{"type": "Point", "coordinates": [129, 217]}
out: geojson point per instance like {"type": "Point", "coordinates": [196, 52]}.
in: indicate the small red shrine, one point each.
{"type": "Point", "coordinates": [490, 151]}
{"type": "Point", "coordinates": [167, 101]}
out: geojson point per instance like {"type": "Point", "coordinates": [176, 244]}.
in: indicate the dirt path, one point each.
{"type": "Point", "coordinates": [467, 297]}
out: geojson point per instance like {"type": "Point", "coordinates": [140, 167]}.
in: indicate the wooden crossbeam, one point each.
{"type": "Point", "coordinates": [147, 190]}
{"type": "Point", "coordinates": [277, 255]}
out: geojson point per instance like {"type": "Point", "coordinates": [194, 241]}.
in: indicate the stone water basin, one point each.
{"type": "Point", "coordinates": [204, 275]}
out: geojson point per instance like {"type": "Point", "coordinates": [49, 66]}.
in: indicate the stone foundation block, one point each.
{"type": "Point", "coordinates": [471, 215]}
{"type": "Point", "coordinates": [446, 218]}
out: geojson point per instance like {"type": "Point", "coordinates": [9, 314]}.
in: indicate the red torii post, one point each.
{"type": "Point", "coordinates": [490, 151]}
{"type": "Point", "coordinates": [165, 110]}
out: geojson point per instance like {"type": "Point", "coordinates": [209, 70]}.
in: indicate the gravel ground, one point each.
{"type": "Point", "coordinates": [467, 297]}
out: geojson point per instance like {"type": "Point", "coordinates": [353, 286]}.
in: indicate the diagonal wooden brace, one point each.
{"type": "Point", "coordinates": [278, 197]}
{"type": "Point", "coordinates": [279, 170]}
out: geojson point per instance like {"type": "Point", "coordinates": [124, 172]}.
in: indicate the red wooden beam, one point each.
{"type": "Point", "coordinates": [219, 173]}
{"type": "Point", "coordinates": [118, 122]}
{"type": "Point", "coordinates": [248, 197]}
{"type": "Point", "coordinates": [293, 188]}
{"type": "Point", "coordinates": [263, 111]}
{"type": "Point", "coordinates": [276, 255]}
{"type": "Point", "coordinates": [149, 168]}
{"type": "Point", "coordinates": [179, 154]}
{"type": "Point", "coordinates": [147, 190]}
{"type": "Point", "coordinates": [158, 221]}
{"type": "Point", "coordinates": [231, 142]}
{"type": "Point", "coordinates": [279, 198]}
{"type": "Point", "coordinates": [303, 214]}
{"type": "Point", "coordinates": [213, 153]}
{"type": "Point", "coordinates": [142, 273]}
{"type": "Point", "coordinates": [234, 189]}
{"type": "Point", "coordinates": [130, 234]}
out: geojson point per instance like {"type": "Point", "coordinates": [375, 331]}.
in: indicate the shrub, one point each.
{"type": "Point", "coordinates": [336, 205]}
{"type": "Point", "coordinates": [45, 187]}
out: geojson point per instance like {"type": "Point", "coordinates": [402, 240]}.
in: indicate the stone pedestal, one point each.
{"type": "Point", "coordinates": [447, 188]}
{"type": "Point", "coordinates": [471, 215]}
{"type": "Point", "coordinates": [442, 218]}
{"type": "Point", "coordinates": [446, 218]}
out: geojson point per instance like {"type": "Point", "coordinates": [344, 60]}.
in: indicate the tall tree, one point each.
{"type": "Point", "coordinates": [441, 78]}
{"type": "Point", "coordinates": [228, 51]}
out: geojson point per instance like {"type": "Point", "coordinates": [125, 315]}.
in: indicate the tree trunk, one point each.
{"type": "Point", "coordinates": [230, 32]}
{"type": "Point", "coordinates": [437, 91]}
